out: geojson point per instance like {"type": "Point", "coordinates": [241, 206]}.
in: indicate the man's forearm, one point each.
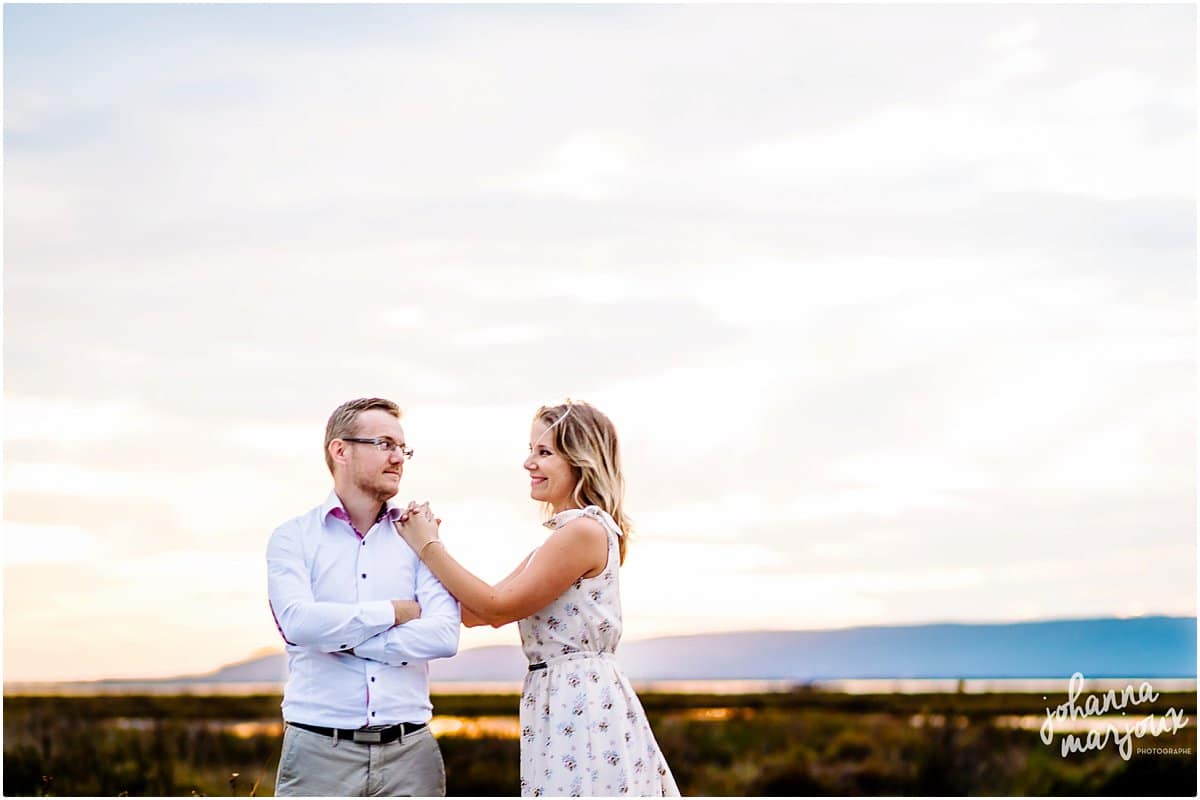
{"type": "Point", "coordinates": [331, 627]}
{"type": "Point", "coordinates": [417, 640]}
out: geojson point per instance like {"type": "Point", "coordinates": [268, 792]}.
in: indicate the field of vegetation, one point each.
{"type": "Point", "coordinates": [778, 744]}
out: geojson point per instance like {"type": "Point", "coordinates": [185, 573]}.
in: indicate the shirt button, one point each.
{"type": "Point", "coordinates": [404, 663]}
{"type": "Point", "coordinates": [372, 713]}
{"type": "Point", "coordinates": [372, 679]}
{"type": "Point", "coordinates": [343, 647]}
{"type": "Point", "coordinates": [364, 574]}
{"type": "Point", "coordinates": [364, 542]}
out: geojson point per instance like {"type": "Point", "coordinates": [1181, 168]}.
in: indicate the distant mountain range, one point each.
{"type": "Point", "coordinates": [1150, 647]}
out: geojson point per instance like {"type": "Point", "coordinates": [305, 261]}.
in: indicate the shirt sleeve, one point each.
{"type": "Point", "coordinates": [432, 635]}
{"type": "Point", "coordinates": [304, 621]}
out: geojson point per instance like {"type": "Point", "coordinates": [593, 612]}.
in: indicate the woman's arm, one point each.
{"type": "Point", "coordinates": [472, 620]}
{"type": "Point", "coordinates": [572, 551]}
{"type": "Point", "coordinates": [524, 563]}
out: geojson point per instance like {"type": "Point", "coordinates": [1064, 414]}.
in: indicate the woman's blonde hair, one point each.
{"type": "Point", "coordinates": [587, 439]}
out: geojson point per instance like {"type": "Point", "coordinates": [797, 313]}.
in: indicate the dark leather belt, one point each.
{"type": "Point", "coordinates": [537, 666]}
{"type": "Point", "coordinates": [380, 735]}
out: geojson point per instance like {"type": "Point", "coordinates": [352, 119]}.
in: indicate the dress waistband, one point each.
{"type": "Point", "coordinates": [576, 656]}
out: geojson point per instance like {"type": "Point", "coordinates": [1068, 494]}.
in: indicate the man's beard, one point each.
{"type": "Point", "coordinates": [377, 488]}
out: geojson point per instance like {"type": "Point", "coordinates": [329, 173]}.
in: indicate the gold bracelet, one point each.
{"type": "Point", "coordinates": [421, 552]}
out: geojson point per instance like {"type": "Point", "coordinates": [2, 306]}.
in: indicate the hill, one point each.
{"type": "Point", "coordinates": [1159, 647]}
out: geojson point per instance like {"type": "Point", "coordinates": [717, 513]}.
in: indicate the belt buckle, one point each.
{"type": "Point", "coordinates": [368, 737]}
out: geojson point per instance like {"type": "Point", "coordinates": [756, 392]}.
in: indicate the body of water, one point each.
{"type": "Point", "coordinates": [1056, 686]}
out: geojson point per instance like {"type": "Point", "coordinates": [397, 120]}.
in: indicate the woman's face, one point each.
{"type": "Point", "coordinates": [551, 478]}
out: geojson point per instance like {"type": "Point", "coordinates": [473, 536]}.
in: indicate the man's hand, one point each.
{"type": "Point", "coordinates": [406, 610]}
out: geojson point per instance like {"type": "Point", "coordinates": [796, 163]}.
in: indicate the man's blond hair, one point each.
{"type": "Point", "coordinates": [343, 421]}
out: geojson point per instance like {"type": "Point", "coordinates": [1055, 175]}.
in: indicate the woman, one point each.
{"type": "Point", "coordinates": [583, 730]}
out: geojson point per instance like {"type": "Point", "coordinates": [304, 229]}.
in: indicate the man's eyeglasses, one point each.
{"type": "Point", "coordinates": [382, 445]}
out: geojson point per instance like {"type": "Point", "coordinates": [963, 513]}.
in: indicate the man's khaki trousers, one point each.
{"type": "Point", "coordinates": [312, 765]}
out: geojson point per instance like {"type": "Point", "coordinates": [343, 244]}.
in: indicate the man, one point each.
{"type": "Point", "coordinates": [361, 616]}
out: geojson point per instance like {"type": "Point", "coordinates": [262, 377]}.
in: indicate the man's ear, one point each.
{"type": "Point", "coordinates": [337, 451]}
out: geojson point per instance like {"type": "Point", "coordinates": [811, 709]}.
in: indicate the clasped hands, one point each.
{"type": "Point", "coordinates": [418, 526]}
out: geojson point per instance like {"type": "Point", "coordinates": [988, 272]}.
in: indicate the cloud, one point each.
{"type": "Point", "coordinates": [887, 303]}
{"type": "Point", "coordinates": [50, 544]}
{"type": "Point", "coordinates": [590, 165]}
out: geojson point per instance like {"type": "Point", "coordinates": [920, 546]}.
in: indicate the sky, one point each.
{"type": "Point", "coordinates": [893, 306]}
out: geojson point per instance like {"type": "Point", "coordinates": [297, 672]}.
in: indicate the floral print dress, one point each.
{"type": "Point", "coordinates": [583, 730]}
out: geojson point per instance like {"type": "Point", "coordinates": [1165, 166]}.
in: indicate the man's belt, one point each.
{"type": "Point", "coordinates": [372, 735]}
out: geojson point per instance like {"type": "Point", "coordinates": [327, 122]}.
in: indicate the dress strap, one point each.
{"type": "Point", "coordinates": [595, 512]}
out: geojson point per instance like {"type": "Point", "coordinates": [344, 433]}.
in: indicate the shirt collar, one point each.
{"type": "Point", "coordinates": [334, 503]}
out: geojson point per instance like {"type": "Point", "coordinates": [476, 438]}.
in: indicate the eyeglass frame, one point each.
{"type": "Point", "coordinates": [382, 445]}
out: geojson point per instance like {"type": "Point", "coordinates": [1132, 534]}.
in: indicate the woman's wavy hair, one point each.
{"type": "Point", "coordinates": [587, 439]}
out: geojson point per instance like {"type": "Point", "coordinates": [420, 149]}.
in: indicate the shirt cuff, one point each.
{"type": "Point", "coordinates": [373, 649]}
{"type": "Point", "coordinates": [378, 615]}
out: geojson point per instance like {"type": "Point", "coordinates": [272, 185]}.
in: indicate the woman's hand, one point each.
{"type": "Point", "coordinates": [418, 526]}
{"type": "Point", "coordinates": [406, 610]}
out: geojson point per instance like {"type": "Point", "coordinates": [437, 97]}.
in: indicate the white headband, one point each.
{"type": "Point", "coordinates": [555, 423]}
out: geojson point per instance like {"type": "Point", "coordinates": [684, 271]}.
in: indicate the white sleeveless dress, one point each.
{"type": "Point", "coordinates": [583, 730]}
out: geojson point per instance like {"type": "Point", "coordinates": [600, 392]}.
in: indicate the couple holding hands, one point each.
{"type": "Point", "coordinates": [365, 593]}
